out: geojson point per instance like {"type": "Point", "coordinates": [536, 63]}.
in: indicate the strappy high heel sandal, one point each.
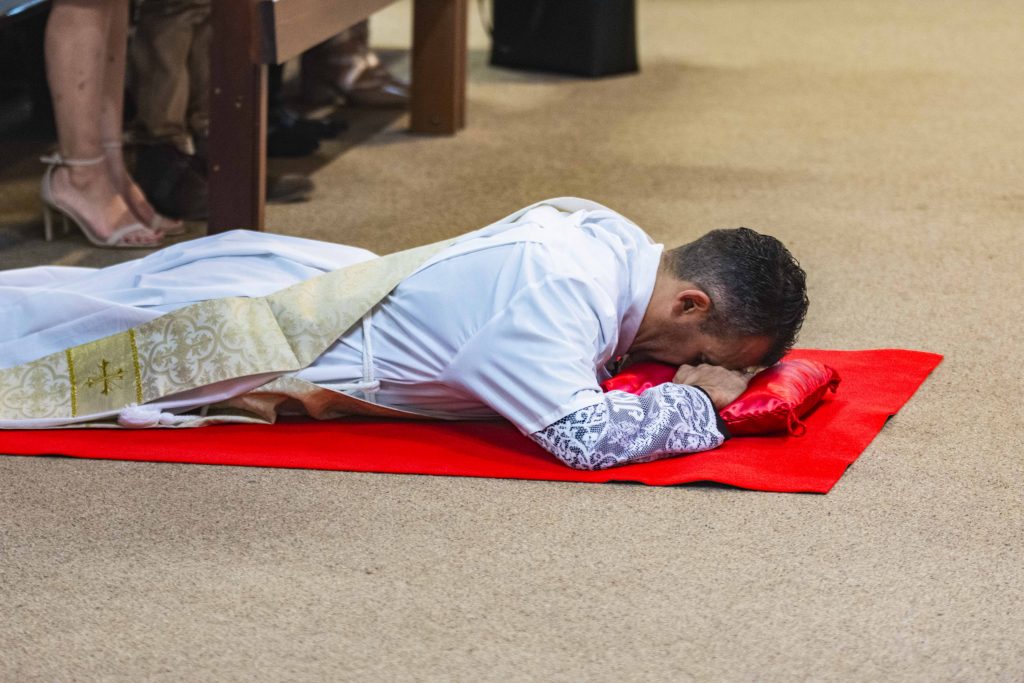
{"type": "Point", "coordinates": [160, 223]}
{"type": "Point", "coordinates": [51, 207]}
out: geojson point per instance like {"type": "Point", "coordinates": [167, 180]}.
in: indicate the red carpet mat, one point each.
{"type": "Point", "coordinates": [875, 384]}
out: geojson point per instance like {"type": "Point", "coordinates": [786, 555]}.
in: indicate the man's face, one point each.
{"type": "Point", "coordinates": [732, 352]}
{"type": "Point", "coordinates": [693, 347]}
{"type": "Point", "coordinates": [673, 331]}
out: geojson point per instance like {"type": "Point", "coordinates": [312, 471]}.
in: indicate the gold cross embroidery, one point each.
{"type": "Point", "coordinates": [109, 386]}
{"type": "Point", "coordinates": [106, 377]}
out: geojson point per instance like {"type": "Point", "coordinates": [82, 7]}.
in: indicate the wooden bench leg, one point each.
{"type": "Point", "coordinates": [439, 66]}
{"type": "Point", "coordinates": [238, 119]}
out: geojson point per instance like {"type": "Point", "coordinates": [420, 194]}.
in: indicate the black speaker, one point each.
{"type": "Point", "coordinates": [581, 37]}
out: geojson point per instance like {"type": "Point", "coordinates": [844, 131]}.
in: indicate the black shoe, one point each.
{"type": "Point", "coordinates": [174, 182]}
{"type": "Point", "coordinates": [287, 188]}
{"type": "Point", "coordinates": [290, 187]}
{"type": "Point", "coordinates": [285, 138]}
{"type": "Point", "coordinates": [290, 142]}
{"type": "Point", "coordinates": [323, 128]}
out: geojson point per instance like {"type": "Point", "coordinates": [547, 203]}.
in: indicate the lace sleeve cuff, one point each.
{"type": "Point", "coordinates": [664, 420]}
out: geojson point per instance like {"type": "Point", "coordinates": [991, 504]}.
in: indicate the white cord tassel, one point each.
{"type": "Point", "coordinates": [170, 419]}
{"type": "Point", "coordinates": [139, 417]}
{"type": "Point", "coordinates": [143, 417]}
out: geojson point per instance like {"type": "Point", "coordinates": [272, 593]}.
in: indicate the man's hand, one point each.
{"type": "Point", "coordinates": [722, 385]}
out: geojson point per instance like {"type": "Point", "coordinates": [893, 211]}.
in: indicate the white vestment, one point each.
{"type": "Point", "coordinates": [519, 320]}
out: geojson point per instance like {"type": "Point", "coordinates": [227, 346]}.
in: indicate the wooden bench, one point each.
{"type": "Point", "coordinates": [250, 34]}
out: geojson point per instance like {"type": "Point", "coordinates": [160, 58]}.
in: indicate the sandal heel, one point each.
{"type": "Point", "coordinates": [47, 222]}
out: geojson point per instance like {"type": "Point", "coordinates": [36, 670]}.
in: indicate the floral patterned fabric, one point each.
{"type": "Point", "coordinates": [665, 420]}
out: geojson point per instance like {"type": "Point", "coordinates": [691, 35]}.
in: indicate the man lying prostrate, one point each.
{"type": "Point", "coordinates": [523, 319]}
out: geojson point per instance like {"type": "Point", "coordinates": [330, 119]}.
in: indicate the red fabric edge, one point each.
{"type": "Point", "coordinates": [876, 384]}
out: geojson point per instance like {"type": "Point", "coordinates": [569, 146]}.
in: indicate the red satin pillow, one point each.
{"type": "Point", "coordinates": [775, 399]}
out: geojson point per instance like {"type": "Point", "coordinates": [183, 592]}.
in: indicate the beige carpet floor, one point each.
{"type": "Point", "coordinates": [880, 139]}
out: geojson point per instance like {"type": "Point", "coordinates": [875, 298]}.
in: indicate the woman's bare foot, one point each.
{"type": "Point", "coordinates": [133, 195]}
{"type": "Point", "coordinates": [88, 193]}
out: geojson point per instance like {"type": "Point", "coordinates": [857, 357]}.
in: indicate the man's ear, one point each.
{"type": "Point", "coordinates": [693, 303]}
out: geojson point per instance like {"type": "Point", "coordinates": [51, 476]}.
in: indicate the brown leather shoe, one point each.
{"type": "Point", "coordinates": [348, 70]}
{"type": "Point", "coordinates": [377, 87]}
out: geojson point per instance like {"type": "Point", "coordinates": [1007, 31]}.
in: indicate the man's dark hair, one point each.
{"type": "Point", "coordinates": [756, 286]}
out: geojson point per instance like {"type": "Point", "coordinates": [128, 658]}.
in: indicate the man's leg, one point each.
{"type": "Point", "coordinates": [198, 115]}
{"type": "Point", "coordinates": [112, 124]}
{"type": "Point", "coordinates": [162, 57]}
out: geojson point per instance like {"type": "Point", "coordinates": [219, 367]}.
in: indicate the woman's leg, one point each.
{"type": "Point", "coordinates": [77, 35]}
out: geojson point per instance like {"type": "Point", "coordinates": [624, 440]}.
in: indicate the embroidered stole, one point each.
{"type": "Point", "coordinates": [214, 341]}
